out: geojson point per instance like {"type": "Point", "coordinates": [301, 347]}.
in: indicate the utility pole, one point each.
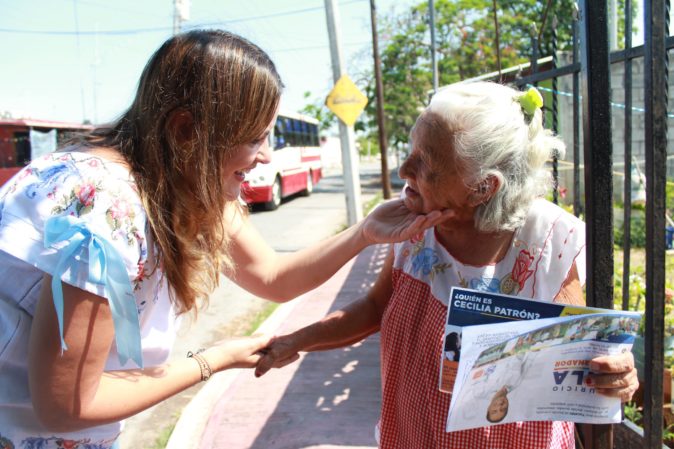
{"type": "Point", "coordinates": [354, 206]}
{"type": "Point", "coordinates": [383, 146]}
{"type": "Point", "coordinates": [79, 60]}
{"type": "Point", "coordinates": [94, 67]}
{"type": "Point", "coordinates": [431, 17]}
{"type": "Point", "coordinates": [181, 13]}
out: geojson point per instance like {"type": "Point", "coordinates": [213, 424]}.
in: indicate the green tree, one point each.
{"type": "Point", "coordinates": [316, 108]}
{"type": "Point", "coordinates": [367, 146]}
{"type": "Point", "coordinates": [621, 21]}
{"type": "Point", "coordinates": [465, 44]}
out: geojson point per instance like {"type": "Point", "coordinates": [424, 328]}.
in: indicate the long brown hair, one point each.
{"type": "Point", "coordinates": [231, 90]}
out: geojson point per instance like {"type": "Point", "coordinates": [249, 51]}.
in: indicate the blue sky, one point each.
{"type": "Point", "coordinates": [50, 72]}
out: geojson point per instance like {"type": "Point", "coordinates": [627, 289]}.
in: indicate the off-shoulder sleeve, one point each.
{"type": "Point", "coordinates": [80, 221]}
{"type": "Point", "coordinates": [555, 243]}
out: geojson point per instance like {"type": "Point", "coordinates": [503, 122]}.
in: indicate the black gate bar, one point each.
{"type": "Point", "coordinates": [627, 180]}
{"type": "Point", "coordinates": [598, 168]}
{"type": "Point", "coordinates": [655, 99]}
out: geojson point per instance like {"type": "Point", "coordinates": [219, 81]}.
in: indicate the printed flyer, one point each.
{"type": "Point", "coordinates": [470, 307]}
{"type": "Point", "coordinates": [525, 367]}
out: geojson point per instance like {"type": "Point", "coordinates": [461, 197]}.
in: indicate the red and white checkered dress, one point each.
{"type": "Point", "coordinates": [414, 411]}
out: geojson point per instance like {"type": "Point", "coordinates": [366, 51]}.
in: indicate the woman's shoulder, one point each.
{"type": "Point", "coordinates": [544, 214]}
{"type": "Point", "coordinates": [59, 167]}
{"type": "Point", "coordinates": [84, 186]}
{"type": "Point", "coordinates": [551, 241]}
{"type": "Point", "coordinates": [550, 228]}
{"type": "Point", "coordinates": [71, 178]}
{"type": "Point", "coordinates": [60, 203]}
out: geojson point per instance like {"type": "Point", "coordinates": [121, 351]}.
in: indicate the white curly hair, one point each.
{"type": "Point", "coordinates": [493, 137]}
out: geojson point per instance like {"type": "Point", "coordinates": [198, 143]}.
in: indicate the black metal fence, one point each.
{"type": "Point", "coordinates": [595, 173]}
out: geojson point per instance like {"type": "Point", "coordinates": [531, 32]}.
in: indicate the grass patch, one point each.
{"type": "Point", "coordinates": [374, 202]}
{"type": "Point", "coordinates": [340, 228]}
{"type": "Point", "coordinates": [164, 435]}
{"type": "Point", "coordinates": [367, 208]}
{"type": "Point", "coordinates": [258, 318]}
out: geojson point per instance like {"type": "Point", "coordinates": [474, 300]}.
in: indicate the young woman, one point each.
{"type": "Point", "coordinates": [105, 243]}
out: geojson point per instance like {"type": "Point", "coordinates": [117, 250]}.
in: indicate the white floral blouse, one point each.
{"type": "Point", "coordinates": [77, 217]}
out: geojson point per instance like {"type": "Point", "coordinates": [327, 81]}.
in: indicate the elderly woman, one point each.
{"type": "Point", "coordinates": [477, 149]}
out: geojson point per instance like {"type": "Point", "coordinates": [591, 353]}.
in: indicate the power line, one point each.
{"type": "Point", "coordinates": [135, 12]}
{"type": "Point", "coordinates": [315, 47]}
{"type": "Point", "coordinates": [167, 29]}
{"type": "Point", "coordinates": [85, 33]}
{"type": "Point", "coordinates": [612, 103]}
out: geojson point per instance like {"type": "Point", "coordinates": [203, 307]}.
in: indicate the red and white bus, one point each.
{"type": "Point", "coordinates": [16, 150]}
{"type": "Point", "coordinates": [295, 165]}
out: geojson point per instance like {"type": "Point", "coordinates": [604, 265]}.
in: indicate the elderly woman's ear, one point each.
{"type": "Point", "coordinates": [484, 190]}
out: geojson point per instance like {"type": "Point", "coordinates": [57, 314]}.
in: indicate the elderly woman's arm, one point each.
{"type": "Point", "coordinates": [341, 328]}
{"type": "Point", "coordinates": [613, 375]}
{"type": "Point", "coordinates": [571, 291]}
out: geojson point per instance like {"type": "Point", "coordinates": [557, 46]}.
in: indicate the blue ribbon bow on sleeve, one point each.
{"type": "Point", "coordinates": [106, 268]}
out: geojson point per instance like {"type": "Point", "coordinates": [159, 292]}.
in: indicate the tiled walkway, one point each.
{"type": "Point", "coordinates": [325, 400]}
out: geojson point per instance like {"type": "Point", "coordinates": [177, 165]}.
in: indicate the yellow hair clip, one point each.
{"type": "Point", "coordinates": [530, 101]}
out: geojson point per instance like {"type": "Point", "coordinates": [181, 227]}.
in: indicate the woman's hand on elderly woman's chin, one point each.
{"type": "Point", "coordinates": [614, 375]}
{"type": "Point", "coordinates": [392, 222]}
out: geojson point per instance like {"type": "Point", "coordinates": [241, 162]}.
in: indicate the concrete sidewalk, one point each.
{"type": "Point", "coordinates": [325, 400]}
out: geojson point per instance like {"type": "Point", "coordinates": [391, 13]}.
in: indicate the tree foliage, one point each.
{"type": "Point", "coordinates": [621, 21]}
{"type": "Point", "coordinates": [316, 108]}
{"type": "Point", "coordinates": [466, 48]}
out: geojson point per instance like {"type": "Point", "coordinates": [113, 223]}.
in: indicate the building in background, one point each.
{"type": "Point", "coordinates": [22, 140]}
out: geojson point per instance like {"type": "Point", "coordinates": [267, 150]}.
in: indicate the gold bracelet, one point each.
{"type": "Point", "coordinates": [204, 367]}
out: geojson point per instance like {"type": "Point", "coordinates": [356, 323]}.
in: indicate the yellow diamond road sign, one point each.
{"type": "Point", "coordinates": [346, 100]}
